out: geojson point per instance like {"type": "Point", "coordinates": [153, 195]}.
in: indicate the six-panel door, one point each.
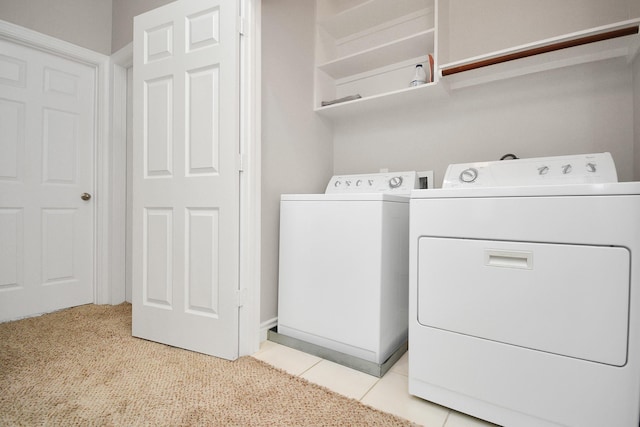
{"type": "Point", "coordinates": [47, 138]}
{"type": "Point", "coordinates": [186, 176]}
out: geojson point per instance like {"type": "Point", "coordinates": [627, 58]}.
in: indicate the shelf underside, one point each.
{"type": "Point", "coordinates": [369, 14]}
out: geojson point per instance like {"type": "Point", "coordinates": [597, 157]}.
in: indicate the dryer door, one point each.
{"type": "Point", "coordinates": [570, 300]}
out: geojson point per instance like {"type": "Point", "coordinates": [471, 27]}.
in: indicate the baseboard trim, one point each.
{"type": "Point", "coordinates": [265, 326]}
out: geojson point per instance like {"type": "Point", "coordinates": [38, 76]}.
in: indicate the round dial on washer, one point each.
{"type": "Point", "coordinates": [395, 182]}
{"type": "Point", "coordinates": [469, 175]}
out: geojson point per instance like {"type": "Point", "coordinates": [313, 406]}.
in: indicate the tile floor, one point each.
{"type": "Point", "coordinates": [388, 393]}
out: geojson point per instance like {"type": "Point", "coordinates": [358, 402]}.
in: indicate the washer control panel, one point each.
{"type": "Point", "coordinates": [578, 169]}
{"type": "Point", "coordinates": [400, 183]}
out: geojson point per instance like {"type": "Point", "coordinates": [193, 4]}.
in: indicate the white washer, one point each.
{"type": "Point", "coordinates": [525, 301]}
{"type": "Point", "coordinates": [344, 265]}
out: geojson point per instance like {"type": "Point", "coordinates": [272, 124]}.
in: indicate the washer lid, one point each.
{"type": "Point", "coordinates": [575, 169]}
{"type": "Point", "coordinates": [373, 197]}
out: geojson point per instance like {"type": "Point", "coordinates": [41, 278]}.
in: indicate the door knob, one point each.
{"type": "Point", "coordinates": [85, 196]}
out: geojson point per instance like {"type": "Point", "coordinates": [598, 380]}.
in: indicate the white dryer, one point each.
{"type": "Point", "coordinates": [525, 300]}
{"type": "Point", "coordinates": [344, 266]}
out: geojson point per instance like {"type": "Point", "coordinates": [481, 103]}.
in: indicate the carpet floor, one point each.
{"type": "Point", "coordinates": [82, 367]}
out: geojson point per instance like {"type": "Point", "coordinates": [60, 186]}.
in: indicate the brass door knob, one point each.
{"type": "Point", "coordinates": [85, 196]}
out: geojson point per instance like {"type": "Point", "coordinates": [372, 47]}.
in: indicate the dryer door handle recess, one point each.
{"type": "Point", "coordinates": [508, 259]}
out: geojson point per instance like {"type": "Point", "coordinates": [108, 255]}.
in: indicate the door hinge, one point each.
{"type": "Point", "coordinates": [242, 160]}
{"type": "Point", "coordinates": [241, 297]}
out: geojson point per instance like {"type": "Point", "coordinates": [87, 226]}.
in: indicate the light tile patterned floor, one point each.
{"type": "Point", "coordinates": [388, 393]}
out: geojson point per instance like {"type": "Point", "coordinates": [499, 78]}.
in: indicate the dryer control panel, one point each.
{"type": "Point", "coordinates": [400, 183]}
{"type": "Point", "coordinates": [595, 168]}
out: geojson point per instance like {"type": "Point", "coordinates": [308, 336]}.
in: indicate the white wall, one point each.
{"type": "Point", "coordinates": [572, 110]}
{"type": "Point", "coordinates": [123, 13]}
{"type": "Point", "coordinates": [296, 143]}
{"type": "Point", "coordinates": [85, 23]}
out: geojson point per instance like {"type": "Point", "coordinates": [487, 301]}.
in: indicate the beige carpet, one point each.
{"type": "Point", "coordinates": [82, 367]}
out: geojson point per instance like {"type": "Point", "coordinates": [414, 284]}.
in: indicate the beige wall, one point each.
{"type": "Point", "coordinates": [100, 25]}
{"type": "Point", "coordinates": [123, 13]}
{"type": "Point", "coordinates": [479, 27]}
{"type": "Point", "coordinates": [296, 143]}
{"type": "Point", "coordinates": [85, 23]}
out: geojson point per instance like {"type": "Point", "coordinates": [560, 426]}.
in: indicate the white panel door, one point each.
{"type": "Point", "coordinates": [47, 134]}
{"type": "Point", "coordinates": [186, 176]}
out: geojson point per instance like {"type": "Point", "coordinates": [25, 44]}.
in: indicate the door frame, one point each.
{"type": "Point", "coordinates": [99, 62]}
{"type": "Point", "coordinates": [250, 187]}
{"type": "Point", "coordinates": [120, 62]}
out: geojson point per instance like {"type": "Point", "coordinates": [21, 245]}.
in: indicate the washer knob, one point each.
{"type": "Point", "coordinates": [566, 169]}
{"type": "Point", "coordinates": [395, 182]}
{"type": "Point", "coordinates": [469, 175]}
{"type": "Point", "coordinates": [543, 170]}
{"type": "Point", "coordinates": [591, 167]}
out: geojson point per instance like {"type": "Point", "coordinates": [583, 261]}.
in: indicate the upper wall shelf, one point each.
{"type": "Point", "coordinates": [413, 46]}
{"type": "Point", "coordinates": [370, 48]}
{"type": "Point", "coordinates": [605, 42]}
{"type": "Point", "coordinates": [390, 101]}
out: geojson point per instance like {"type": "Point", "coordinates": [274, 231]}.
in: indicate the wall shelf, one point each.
{"type": "Point", "coordinates": [605, 42]}
{"type": "Point", "coordinates": [370, 48]}
{"type": "Point", "coordinates": [379, 56]}
{"type": "Point", "coordinates": [391, 101]}
{"type": "Point", "coordinates": [540, 48]}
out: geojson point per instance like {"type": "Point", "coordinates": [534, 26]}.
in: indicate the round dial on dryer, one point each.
{"type": "Point", "coordinates": [469, 175]}
{"type": "Point", "coordinates": [395, 182]}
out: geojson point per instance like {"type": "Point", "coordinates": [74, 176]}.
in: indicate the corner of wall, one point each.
{"type": "Point", "coordinates": [297, 150]}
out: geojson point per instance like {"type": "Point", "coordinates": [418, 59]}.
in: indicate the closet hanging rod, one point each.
{"type": "Point", "coordinates": [542, 49]}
